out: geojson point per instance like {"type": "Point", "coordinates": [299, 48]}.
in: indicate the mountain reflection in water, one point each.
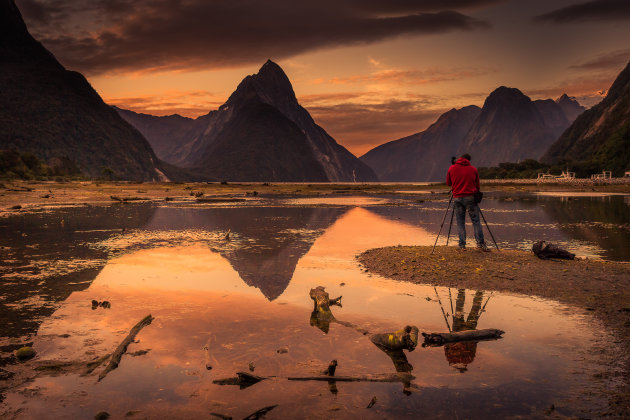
{"type": "Point", "coordinates": [222, 306]}
{"type": "Point", "coordinates": [271, 239]}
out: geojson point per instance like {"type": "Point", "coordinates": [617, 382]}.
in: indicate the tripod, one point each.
{"type": "Point", "coordinates": [451, 225]}
{"type": "Point", "coordinates": [443, 219]}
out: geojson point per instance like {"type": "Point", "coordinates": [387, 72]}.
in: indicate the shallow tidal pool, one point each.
{"type": "Point", "coordinates": [242, 304]}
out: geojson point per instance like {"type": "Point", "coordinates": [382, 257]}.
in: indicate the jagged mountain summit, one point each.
{"type": "Point", "coordinates": [599, 139]}
{"type": "Point", "coordinates": [56, 115]}
{"type": "Point", "coordinates": [570, 106]}
{"type": "Point", "coordinates": [424, 156]}
{"type": "Point", "coordinates": [511, 127]}
{"type": "Point", "coordinates": [261, 133]}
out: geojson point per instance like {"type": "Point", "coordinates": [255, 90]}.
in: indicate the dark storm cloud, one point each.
{"type": "Point", "coordinates": [615, 60]}
{"type": "Point", "coordinates": [594, 10]}
{"type": "Point", "coordinates": [170, 35]}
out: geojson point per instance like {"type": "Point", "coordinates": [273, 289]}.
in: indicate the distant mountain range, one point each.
{"type": "Point", "coordinates": [55, 114]}
{"type": "Point", "coordinates": [599, 139]}
{"type": "Point", "coordinates": [423, 156]}
{"type": "Point", "coordinates": [509, 127]}
{"type": "Point", "coordinates": [260, 134]}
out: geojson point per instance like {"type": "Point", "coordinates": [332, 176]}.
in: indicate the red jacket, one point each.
{"type": "Point", "coordinates": [463, 178]}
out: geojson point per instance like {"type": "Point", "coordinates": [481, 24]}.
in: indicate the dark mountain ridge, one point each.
{"type": "Point", "coordinates": [599, 139]}
{"type": "Point", "coordinates": [424, 156]}
{"type": "Point", "coordinates": [511, 127]}
{"type": "Point", "coordinates": [261, 133]}
{"type": "Point", "coordinates": [54, 113]}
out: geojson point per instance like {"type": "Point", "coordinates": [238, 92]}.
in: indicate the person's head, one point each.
{"type": "Point", "coordinates": [466, 156]}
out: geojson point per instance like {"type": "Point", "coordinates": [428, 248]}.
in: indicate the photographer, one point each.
{"type": "Point", "coordinates": [463, 179]}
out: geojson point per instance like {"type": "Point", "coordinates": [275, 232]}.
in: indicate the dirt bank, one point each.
{"type": "Point", "coordinates": [598, 287]}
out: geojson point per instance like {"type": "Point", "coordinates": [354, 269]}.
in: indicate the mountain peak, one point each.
{"type": "Point", "coordinates": [271, 85]}
{"type": "Point", "coordinates": [505, 97]}
{"type": "Point", "coordinates": [570, 106]}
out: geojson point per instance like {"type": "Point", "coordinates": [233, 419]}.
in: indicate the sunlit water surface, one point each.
{"type": "Point", "coordinates": [222, 306]}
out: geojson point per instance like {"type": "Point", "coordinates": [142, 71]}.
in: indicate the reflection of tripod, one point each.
{"type": "Point", "coordinates": [448, 237]}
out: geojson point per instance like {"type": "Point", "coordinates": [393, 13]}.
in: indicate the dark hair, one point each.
{"type": "Point", "coordinates": [466, 156]}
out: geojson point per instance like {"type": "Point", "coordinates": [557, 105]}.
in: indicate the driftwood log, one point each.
{"type": "Point", "coordinates": [322, 300]}
{"type": "Point", "coordinates": [322, 316]}
{"type": "Point", "coordinates": [242, 379]}
{"type": "Point", "coordinates": [122, 347]}
{"type": "Point", "coordinates": [404, 339]}
{"type": "Point", "coordinates": [125, 199]}
{"type": "Point", "coordinates": [438, 339]}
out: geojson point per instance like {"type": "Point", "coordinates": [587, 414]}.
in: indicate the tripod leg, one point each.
{"type": "Point", "coordinates": [488, 227]}
{"type": "Point", "coordinates": [450, 226]}
{"type": "Point", "coordinates": [442, 225]}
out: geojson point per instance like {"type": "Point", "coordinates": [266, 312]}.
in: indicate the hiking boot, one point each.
{"type": "Point", "coordinates": [483, 247]}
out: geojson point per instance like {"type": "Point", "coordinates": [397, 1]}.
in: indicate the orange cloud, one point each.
{"type": "Point", "coordinates": [185, 103]}
{"type": "Point", "coordinates": [400, 77]}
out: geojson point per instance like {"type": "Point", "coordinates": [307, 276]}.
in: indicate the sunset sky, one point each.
{"type": "Point", "coordinates": [368, 71]}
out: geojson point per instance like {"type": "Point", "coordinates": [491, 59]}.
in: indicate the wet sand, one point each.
{"type": "Point", "coordinates": [29, 195]}
{"type": "Point", "coordinates": [598, 287]}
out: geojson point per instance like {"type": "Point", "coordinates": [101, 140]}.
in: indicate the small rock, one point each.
{"type": "Point", "coordinates": [25, 353]}
{"type": "Point", "coordinates": [5, 374]}
{"type": "Point", "coordinates": [105, 304]}
{"type": "Point", "coordinates": [103, 415]}
{"type": "Point", "coordinates": [282, 350]}
{"type": "Point", "coordinates": [16, 207]}
{"type": "Point", "coordinates": [94, 304]}
{"type": "Point", "coordinates": [251, 366]}
{"type": "Point", "coordinates": [208, 366]}
{"type": "Point", "coordinates": [342, 284]}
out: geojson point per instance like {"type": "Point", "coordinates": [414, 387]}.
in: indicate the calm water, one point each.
{"type": "Point", "coordinates": [223, 306]}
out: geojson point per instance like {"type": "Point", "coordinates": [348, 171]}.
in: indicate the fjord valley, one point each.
{"type": "Point", "coordinates": [190, 229]}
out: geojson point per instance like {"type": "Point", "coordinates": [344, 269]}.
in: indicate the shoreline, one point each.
{"type": "Point", "coordinates": [599, 288]}
{"type": "Point", "coordinates": [33, 194]}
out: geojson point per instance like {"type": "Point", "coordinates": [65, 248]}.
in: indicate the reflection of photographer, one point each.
{"type": "Point", "coordinates": [463, 179]}
{"type": "Point", "coordinates": [460, 355]}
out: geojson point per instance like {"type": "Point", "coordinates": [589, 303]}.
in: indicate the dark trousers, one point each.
{"type": "Point", "coordinates": [461, 204]}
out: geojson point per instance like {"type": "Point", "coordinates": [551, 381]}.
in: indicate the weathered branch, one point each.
{"type": "Point", "coordinates": [242, 379]}
{"type": "Point", "coordinates": [438, 339]}
{"type": "Point", "coordinates": [125, 199]}
{"type": "Point", "coordinates": [122, 347]}
{"type": "Point", "coordinates": [260, 413]}
{"type": "Point", "coordinates": [387, 377]}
